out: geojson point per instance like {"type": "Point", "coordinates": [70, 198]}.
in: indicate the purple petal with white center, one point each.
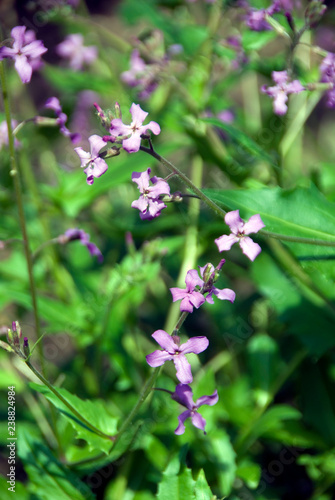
{"type": "Point", "coordinates": [279, 77]}
{"type": "Point", "coordinates": [192, 280]}
{"type": "Point", "coordinates": [250, 248]}
{"type": "Point", "coordinates": [132, 145]}
{"type": "Point", "coordinates": [194, 345]}
{"type": "Point", "coordinates": [181, 419]}
{"type": "Point", "coordinates": [234, 221]}
{"type": "Point", "coordinates": [165, 341]}
{"type": "Point", "coordinates": [225, 242]}
{"type": "Point", "coordinates": [142, 179]}
{"type": "Point", "coordinates": [253, 225]}
{"type": "Point", "coordinates": [137, 114]}
{"type": "Point", "coordinates": [198, 421]}
{"type": "Point", "coordinates": [225, 294]}
{"type": "Point", "coordinates": [23, 68]}
{"type": "Point", "coordinates": [155, 207]}
{"type": "Point", "coordinates": [118, 128]}
{"type": "Point", "coordinates": [96, 143]}
{"type": "Point", "coordinates": [158, 358]}
{"type": "Point", "coordinates": [183, 369]}
{"type": "Point", "coordinates": [208, 400]}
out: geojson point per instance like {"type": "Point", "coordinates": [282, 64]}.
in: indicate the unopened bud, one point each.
{"type": "Point", "coordinates": [105, 120]}
{"type": "Point", "coordinates": [5, 346]}
{"type": "Point", "coordinates": [118, 113]}
{"type": "Point", "coordinates": [26, 349]}
{"type": "Point", "coordinates": [314, 12]}
{"type": "Point", "coordinates": [208, 271]}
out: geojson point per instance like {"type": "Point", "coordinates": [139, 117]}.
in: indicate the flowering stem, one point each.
{"type": "Point", "coordinates": [67, 404]}
{"type": "Point", "coordinates": [17, 184]}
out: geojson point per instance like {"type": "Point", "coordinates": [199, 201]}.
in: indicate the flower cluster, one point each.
{"type": "Point", "coordinates": [26, 52]}
{"type": "Point", "coordinates": [149, 203]}
{"type": "Point", "coordinates": [280, 91]}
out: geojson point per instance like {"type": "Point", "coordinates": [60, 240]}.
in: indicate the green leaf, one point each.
{"type": "Point", "coordinates": [224, 457]}
{"type": "Point", "coordinates": [175, 484]}
{"type": "Point", "coordinates": [255, 40]}
{"type": "Point", "coordinates": [250, 473]}
{"type": "Point", "coordinates": [202, 489]}
{"type": "Point", "coordinates": [302, 212]}
{"type": "Point", "coordinates": [48, 477]}
{"type": "Point", "coordinates": [92, 411]}
{"type": "Point", "coordinates": [21, 492]}
{"type": "Point", "coordinates": [242, 139]}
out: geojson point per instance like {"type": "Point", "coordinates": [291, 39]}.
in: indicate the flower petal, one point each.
{"type": "Point", "coordinates": [132, 145]}
{"type": "Point", "coordinates": [142, 179]}
{"type": "Point", "coordinates": [181, 419]}
{"type": "Point", "coordinates": [250, 248]}
{"type": "Point", "coordinates": [23, 68]}
{"type": "Point", "coordinates": [279, 77]}
{"type": "Point", "coordinates": [158, 358]}
{"type": "Point", "coordinates": [253, 225]}
{"type": "Point", "coordinates": [84, 156]}
{"type": "Point", "coordinates": [137, 114]}
{"type": "Point", "coordinates": [183, 369]}
{"type": "Point", "coordinates": [225, 242]}
{"type": "Point", "coordinates": [234, 221]}
{"type": "Point", "coordinates": [96, 143]}
{"type": "Point", "coordinates": [178, 293]}
{"type": "Point", "coordinates": [153, 126]}
{"type": "Point", "coordinates": [183, 395]}
{"type": "Point", "coordinates": [194, 345]}
{"type": "Point", "coordinates": [192, 280]}
{"type": "Point", "coordinates": [198, 421]}
{"type": "Point", "coordinates": [119, 128]}
{"type": "Point", "coordinates": [224, 294]}
{"type": "Point", "coordinates": [208, 400]}
{"type": "Point", "coordinates": [165, 341]}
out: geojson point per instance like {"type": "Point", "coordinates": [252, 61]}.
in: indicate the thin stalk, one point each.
{"type": "Point", "coordinates": [18, 191]}
{"type": "Point", "coordinates": [67, 404]}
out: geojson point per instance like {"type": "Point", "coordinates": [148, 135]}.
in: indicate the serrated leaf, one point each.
{"type": "Point", "coordinates": [175, 484]}
{"type": "Point", "coordinates": [48, 477]}
{"type": "Point", "coordinates": [92, 411]}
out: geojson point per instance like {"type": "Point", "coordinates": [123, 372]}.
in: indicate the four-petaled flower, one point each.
{"type": "Point", "coordinates": [73, 48]}
{"type": "Point", "coordinates": [26, 52]}
{"type": "Point", "coordinates": [172, 350]}
{"type": "Point", "coordinates": [54, 104]}
{"type": "Point", "coordinates": [184, 396]}
{"type": "Point", "coordinates": [208, 273]}
{"type": "Point", "coordinates": [189, 297]}
{"type": "Point", "coordinates": [239, 232]}
{"type": "Point", "coordinates": [149, 204]}
{"type": "Point", "coordinates": [84, 238]}
{"type": "Point", "coordinates": [95, 166]}
{"type": "Point", "coordinates": [281, 91]}
{"type": "Point", "coordinates": [132, 141]}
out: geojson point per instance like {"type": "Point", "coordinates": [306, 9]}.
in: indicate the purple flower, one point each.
{"type": "Point", "coordinates": [141, 75]}
{"type": "Point", "coordinates": [256, 20]}
{"type": "Point", "coordinates": [4, 134]}
{"type": "Point", "coordinates": [189, 297]}
{"type": "Point", "coordinates": [281, 91]}
{"type": "Point", "coordinates": [149, 204]}
{"type": "Point", "coordinates": [54, 104]}
{"type": "Point", "coordinates": [209, 275]}
{"type": "Point", "coordinates": [26, 52]}
{"type": "Point", "coordinates": [133, 132]}
{"type": "Point", "coordinates": [73, 48]}
{"type": "Point", "coordinates": [95, 166]}
{"type": "Point", "coordinates": [184, 396]}
{"type": "Point", "coordinates": [79, 234]}
{"type": "Point", "coordinates": [327, 70]}
{"type": "Point", "coordinates": [239, 232]}
{"type": "Point", "coordinates": [172, 350]}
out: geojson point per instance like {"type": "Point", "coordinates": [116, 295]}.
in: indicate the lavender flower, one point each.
{"type": "Point", "coordinates": [95, 166]}
{"type": "Point", "coordinates": [54, 104]}
{"type": "Point", "coordinates": [172, 350]}
{"type": "Point", "coordinates": [189, 297]}
{"type": "Point", "coordinates": [84, 238]}
{"type": "Point", "coordinates": [149, 204]}
{"type": "Point", "coordinates": [327, 70]}
{"type": "Point", "coordinates": [73, 48]}
{"type": "Point", "coordinates": [281, 91]}
{"type": "Point", "coordinates": [141, 75]}
{"type": "Point", "coordinates": [239, 232]}
{"type": "Point", "coordinates": [26, 52]}
{"type": "Point", "coordinates": [184, 396]}
{"type": "Point", "coordinates": [133, 132]}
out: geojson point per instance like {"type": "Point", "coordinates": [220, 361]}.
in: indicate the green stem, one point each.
{"type": "Point", "coordinates": [297, 239]}
{"type": "Point", "coordinates": [17, 184]}
{"type": "Point", "coordinates": [67, 404]}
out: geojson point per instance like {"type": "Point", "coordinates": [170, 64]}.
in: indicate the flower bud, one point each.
{"type": "Point", "coordinates": [26, 349]}
{"type": "Point", "coordinates": [5, 346]}
{"type": "Point", "coordinates": [118, 113]}
{"type": "Point", "coordinates": [208, 272]}
{"type": "Point", "coordinates": [314, 12]}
